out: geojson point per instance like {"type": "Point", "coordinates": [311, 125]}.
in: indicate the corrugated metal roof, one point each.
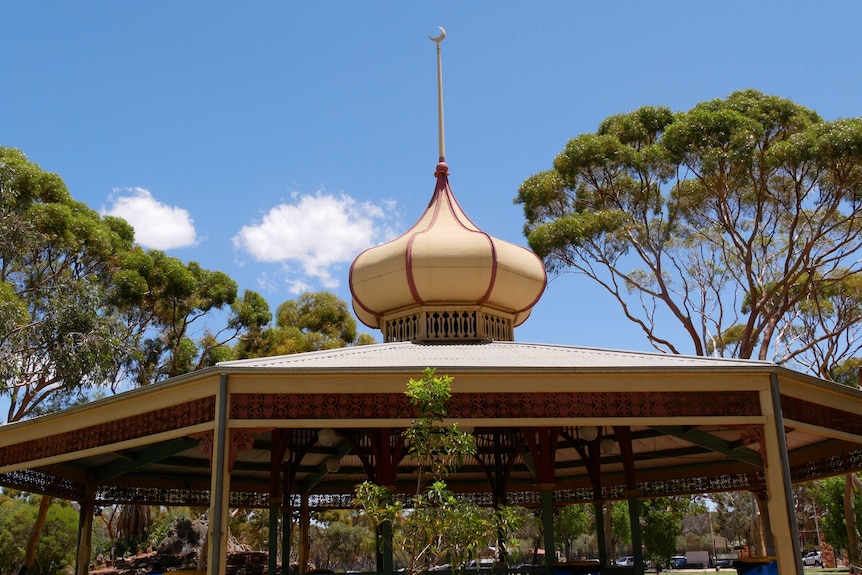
{"type": "Point", "coordinates": [497, 354]}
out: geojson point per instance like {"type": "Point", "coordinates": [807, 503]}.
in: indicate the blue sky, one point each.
{"type": "Point", "coordinates": [275, 140]}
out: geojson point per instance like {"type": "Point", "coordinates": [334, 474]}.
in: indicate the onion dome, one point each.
{"type": "Point", "coordinates": [445, 279]}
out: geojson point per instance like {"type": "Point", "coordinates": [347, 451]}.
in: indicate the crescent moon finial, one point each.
{"type": "Point", "coordinates": [439, 38]}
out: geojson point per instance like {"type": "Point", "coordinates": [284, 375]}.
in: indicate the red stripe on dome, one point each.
{"type": "Point", "coordinates": [493, 281]}
{"type": "Point", "coordinates": [442, 185]}
{"type": "Point", "coordinates": [460, 216]}
{"type": "Point", "coordinates": [353, 293]}
{"type": "Point", "coordinates": [544, 282]}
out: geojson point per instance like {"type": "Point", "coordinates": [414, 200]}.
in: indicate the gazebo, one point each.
{"type": "Point", "coordinates": [554, 424]}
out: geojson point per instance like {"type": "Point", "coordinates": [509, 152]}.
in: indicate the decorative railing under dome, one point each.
{"type": "Point", "coordinates": [450, 324]}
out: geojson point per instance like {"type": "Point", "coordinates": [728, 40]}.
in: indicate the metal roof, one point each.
{"type": "Point", "coordinates": [492, 354]}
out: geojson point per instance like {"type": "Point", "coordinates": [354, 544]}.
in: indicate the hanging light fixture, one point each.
{"type": "Point", "coordinates": [286, 457]}
{"type": "Point", "coordinates": [327, 437]}
{"type": "Point", "coordinates": [333, 464]}
{"type": "Point", "coordinates": [607, 445]}
{"type": "Point", "coordinates": [589, 432]}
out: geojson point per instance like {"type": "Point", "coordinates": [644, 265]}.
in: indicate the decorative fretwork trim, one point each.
{"type": "Point", "coordinates": [141, 425]}
{"type": "Point", "coordinates": [822, 415]}
{"type": "Point", "coordinates": [38, 482]}
{"type": "Point", "coordinates": [497, 405]}
{"type": "Point", "coordinates": [33, 481]}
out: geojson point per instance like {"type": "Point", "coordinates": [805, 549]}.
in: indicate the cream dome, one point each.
{"type": "Point", "coordinates": [445, 279]}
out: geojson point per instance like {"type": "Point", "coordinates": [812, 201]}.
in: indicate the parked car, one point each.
{"type": "Point", "coordinates": [627, 561]}
{"type": "Point", "coordinates": [813, 559]}
{"type": "Point", "coordinates": [678, 562]}
{"type": "Point", "coordinates": [484, 564]}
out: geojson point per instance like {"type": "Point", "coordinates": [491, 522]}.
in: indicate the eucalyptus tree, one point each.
{"type": "Point", "coordinates": [57, 339]}
{"type": "Point", "coordinates": [730, 229]}
{"type": "Point", "coordinates": [168, 306]}
{"type": "Point", "coordinates": [733, 516]}
{"type": "Point", "coordinates": [721, 220]}
{"type": "Point", "coordinates": [311, 322]}
{"type": "Point", "coordinates": [83, 308]}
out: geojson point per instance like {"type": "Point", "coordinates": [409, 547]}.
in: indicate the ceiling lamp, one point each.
{"type": "Point", "coordinates": [589, 432]}
{"type": "Point", "coordinates": [607, 445]}
{"type": "Point", "coordinates": [326, 437]}
{"type": "Point", "coordinates": [333, 464]}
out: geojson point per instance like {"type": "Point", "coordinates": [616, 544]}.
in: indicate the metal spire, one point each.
{"type": "Point", "coordinates": [442, 140]}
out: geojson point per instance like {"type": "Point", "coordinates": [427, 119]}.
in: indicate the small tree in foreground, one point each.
{"type": "Point", "coordinates": [440, 527]}
{"type": "Point", "coordinates": [662, 523]}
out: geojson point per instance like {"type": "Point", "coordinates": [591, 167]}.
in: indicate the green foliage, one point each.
{"type": "Point", "coordinates": [570, 523]}
{"type": "Point", "coordinates": [739, 219]}
{"type": "Point", "coordinates": [164, 298]}
{"type": "Point", "coordinates": [321, 312]}
{"type": "Point", "coordinates": [251, 527]}
{"type": "Point", "coordinates": [440, 527]}
{"type": "Point", "coordinates": [437, 449]}
{"type": "Point", "coordinates": [830, 499]}
{"type": "Point", "coordinates": [341, 542]}
{"type": "Point", "coordinates": [527, 538]}
{"type": "Point", "coordinates": [82, 307]}
{"type": "Point", "coordinates": [312, 322]}
{"type": "Point", "coordinates": [55, 553]}
{"type": "Point", "coordinates": [847, 373]}
{"type": "Point", "coordinates": [621, 526]}
{"type": "Point", "coordinates": [50, 245]}
{"type": "Point", "coordinates": [662, 525]}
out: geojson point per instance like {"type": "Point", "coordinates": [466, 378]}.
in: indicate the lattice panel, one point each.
{"type": "Point", "coordinates": [36, 482]}
{"type": "Point", "coordinates": [601, 404]}
{"type": "Point", "coordinates": [320, 406]}
{"type": "Point", "coordinates": [580, 495]}
{"type": "Point", "coordinates": [183, 497]}
{"type": "Point", "coordinates": [807, 412]}
{"type": "Point", "coordinates": [496, 405]}
{"type": "Point", "coordinates": [153, 496]}
{"type": "Point", "coordinates": [836, 465]}
{"type": "Point", "coordinates": [140, 425]}
{"type": "Point", "coordinates": [735, 482]}
{"type": "Point", "coordinates": [256, 499]}
{"type": "Point", "coordinates": [42, 483]}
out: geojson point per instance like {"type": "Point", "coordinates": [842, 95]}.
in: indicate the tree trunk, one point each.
{"type": "Point", "coordinates": [35, 535]}
{"type": "Point", "coordinates": [850, 520]}
{"type": "Point", "coordinates": [609, 535]}
{"type": "Point", "coordinates": [757, 527]}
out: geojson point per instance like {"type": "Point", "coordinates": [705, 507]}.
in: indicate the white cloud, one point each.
{"type": "Point", "coordinates": [297, 287]}
{"type": "Point", "coordinates": [317, 232]}
{"type": "Point", "coordinates": [157, 225]}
